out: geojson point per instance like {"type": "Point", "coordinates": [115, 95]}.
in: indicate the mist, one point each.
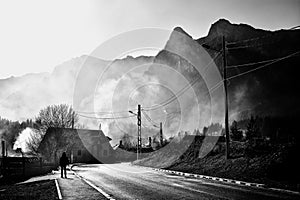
{"type": "Point", "coordinates": [112, 88]}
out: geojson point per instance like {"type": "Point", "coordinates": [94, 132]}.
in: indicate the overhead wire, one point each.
{"type": "Point", "coordinates": [149, 119]}
{"type": "Point", "coordinates": [250, 39]}
{"type": "Point", "coordinates": [265, 65]}
{"type": "Point", "coordinates": [249, 46]}
{"type": "Point", "coordinates": [267, 35]}
{"type": "Point", "coordinates": [181, 91]}
{"type": "Point", "coordinates": [188, 86]}
{"type": "Point", "coordinates": [253, 63]}
{"type": "Point", "coordinates": [111, 112]}
{"type": "Point", "coordinates": [118, 117]}
{"type": "Point", "coordinates": [103, 112]}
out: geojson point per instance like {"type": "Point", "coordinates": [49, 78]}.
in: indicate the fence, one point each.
{"type": "Point", "coordinates": [22, 167]}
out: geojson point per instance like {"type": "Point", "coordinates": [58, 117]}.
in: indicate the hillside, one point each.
{"type": "Point", "coordinates": [267, 91]}
{"type": "Point", "coordinates": [270, 90]}
{"type": "Point", "coordinates": [167, 155]}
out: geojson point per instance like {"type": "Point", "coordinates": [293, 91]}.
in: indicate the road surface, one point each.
{"type": "Point", "coordinates": [124, 181]}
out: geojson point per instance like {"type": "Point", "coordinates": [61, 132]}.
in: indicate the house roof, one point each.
{"type": "Point", "coordinates": [65, 135]}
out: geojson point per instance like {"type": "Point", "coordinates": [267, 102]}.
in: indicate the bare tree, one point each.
{"type": "Point", "coordinates": [58, 116]}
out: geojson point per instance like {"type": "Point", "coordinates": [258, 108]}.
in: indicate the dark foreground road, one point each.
{"type": "Point", "coordinates": [123, 181]}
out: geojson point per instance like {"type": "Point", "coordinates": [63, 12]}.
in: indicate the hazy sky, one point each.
{"type": "Point", "coordinates": [36, 35]}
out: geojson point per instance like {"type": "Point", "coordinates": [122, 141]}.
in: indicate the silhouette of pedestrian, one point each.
{"type": "Point", "coordinates": [63, 162]}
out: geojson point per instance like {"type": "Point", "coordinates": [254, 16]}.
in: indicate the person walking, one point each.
{"type": "Point", "coordinates": [63, 162]}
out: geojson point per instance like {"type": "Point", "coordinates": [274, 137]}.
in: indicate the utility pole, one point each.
{"type": "Point", "coordinates": [139, 123]}
{"type": "Point", "coordinates": [3, 148]}
{"type": "Point", "coordinates": [73, 120]}
{"type": "Point", "coordinates": [161, 134]}
{"type": "Point", "coordinates": [226, 99]}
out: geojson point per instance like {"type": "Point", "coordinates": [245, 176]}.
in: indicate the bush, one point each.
{"type": "Point", "coordinates": [236, 133]}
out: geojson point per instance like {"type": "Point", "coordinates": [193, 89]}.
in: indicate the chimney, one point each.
{"type": "Point", "coordinates": [150, 141]}
{"type": "Point", "coordinates": [120, 143]}
{"type": "Point", "coordinates": [100, 127]}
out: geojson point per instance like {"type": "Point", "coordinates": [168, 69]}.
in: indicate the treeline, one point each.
{"type": "Point", "coordinates": [58, 116]}
{"type": "Point", "coordinates": [9, 130]}
{"type": "Point", "coordinates": [129, 143]}
{"type": "Point", "coordinates": [280, 129]}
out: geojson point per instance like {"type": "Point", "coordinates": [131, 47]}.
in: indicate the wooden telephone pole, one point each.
{"type": "Point", "coordinates": [226, 99]}
{"type": "Point", "coordinates": [161, 134]}
{"type": "Point", "coordinates": [139, 123]}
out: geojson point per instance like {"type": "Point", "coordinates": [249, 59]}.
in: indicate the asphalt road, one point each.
{"type": "Point", "coordinates": [123, 181]}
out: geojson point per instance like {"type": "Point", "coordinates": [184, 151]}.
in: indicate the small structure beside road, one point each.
{"type": "Point", "coordinates": [81, 145]}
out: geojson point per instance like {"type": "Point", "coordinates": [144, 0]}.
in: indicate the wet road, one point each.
{"type": "Point", "coordinates": [123, 181]}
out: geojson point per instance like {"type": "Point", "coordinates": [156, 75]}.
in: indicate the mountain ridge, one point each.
{"type": "Point", "coordinates": [257, 86]}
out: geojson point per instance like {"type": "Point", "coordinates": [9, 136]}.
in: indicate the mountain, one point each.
{"type": "Point", "coordinates": [23, 97]}
{"type": "Point", "coordinates": [271, 90]}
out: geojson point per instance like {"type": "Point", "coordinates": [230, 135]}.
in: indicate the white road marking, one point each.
{"type": "Point", "coordinates": [58, 190]}
{"type": "Point", "coordinates": [95, 187]}
{"type": "Point", "coordinates": [283, 190]}
{"type": "Point", "coordinates": [199, 191]}
{"type": "Point", "coordinates": [211, 178]}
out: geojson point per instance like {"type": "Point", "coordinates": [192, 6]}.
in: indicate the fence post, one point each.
{"type": "Point", "coordinates": [3, 148]}
{"type": "Point", "coordinates": [3, 170]}
{"type": "Point", "coordinates": [23, 164]}
{"type": "Point", "coordinates": [41, 163]}
{"type": "Point", "coordinates": [3, 164]}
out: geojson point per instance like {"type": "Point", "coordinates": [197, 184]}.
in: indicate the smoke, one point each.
{"type": "Point", "coordinates": [21, 141]}
{"type": "Point", "coordinates": [154, 86]}
{"type": "Point", "coordinates": [118, 86]}
{"type": "Point", "coordinates": [241, 105]}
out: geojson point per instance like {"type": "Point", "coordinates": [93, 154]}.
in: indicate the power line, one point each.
{"type": "Point", "coordinates": [104, 112]}
{"type": "Point", "coordinates": [277, 60]}
{"type": "Point", "coordinates": [253, 63]}
{"type": "Point", "coordinates": [149, 119]}
{"type": "Point", "coordinates": [249, 46]}
{"type": "Point", "coordinates": [250, 39]}
{"type": "Point", "coordinates": [175, 95]}
{"type": "Point", "coordinates": [120, 117]}
{"type": "Point", "coordinates": [220, 83]}
{"type": "Point", "coordinates": [208, 46]}
{"type": "Point", "coordinates": [267, 35]}
{"type": "Point", "coordinates": [124, 117]}
{"type": "Point", "coordinates": [180, 92]}
{"type": "Point", "coordinates": [294, 28]}
{"type": "Point", "coordinates": [204, 43]}
{"type": "Point", "coordinates": [272, 61]}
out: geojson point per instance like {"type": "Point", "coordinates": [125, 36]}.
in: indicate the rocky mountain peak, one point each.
{"type": "Point", "coordinates": [180, 30]}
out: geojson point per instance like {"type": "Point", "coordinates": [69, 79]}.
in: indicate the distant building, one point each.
{"type": "Point", "coordinates": [81, 145]}
{"type": "Point", "coordinates": [126, 154]}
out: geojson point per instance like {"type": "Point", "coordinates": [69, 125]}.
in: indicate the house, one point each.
{"type": "Point", "coordinates": [80, 145]}
{"type": "Point", "coordinates": [123, 153]}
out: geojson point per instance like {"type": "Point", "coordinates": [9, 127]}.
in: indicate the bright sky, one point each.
{"type": "Point", "coordinates": [36, 35]}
